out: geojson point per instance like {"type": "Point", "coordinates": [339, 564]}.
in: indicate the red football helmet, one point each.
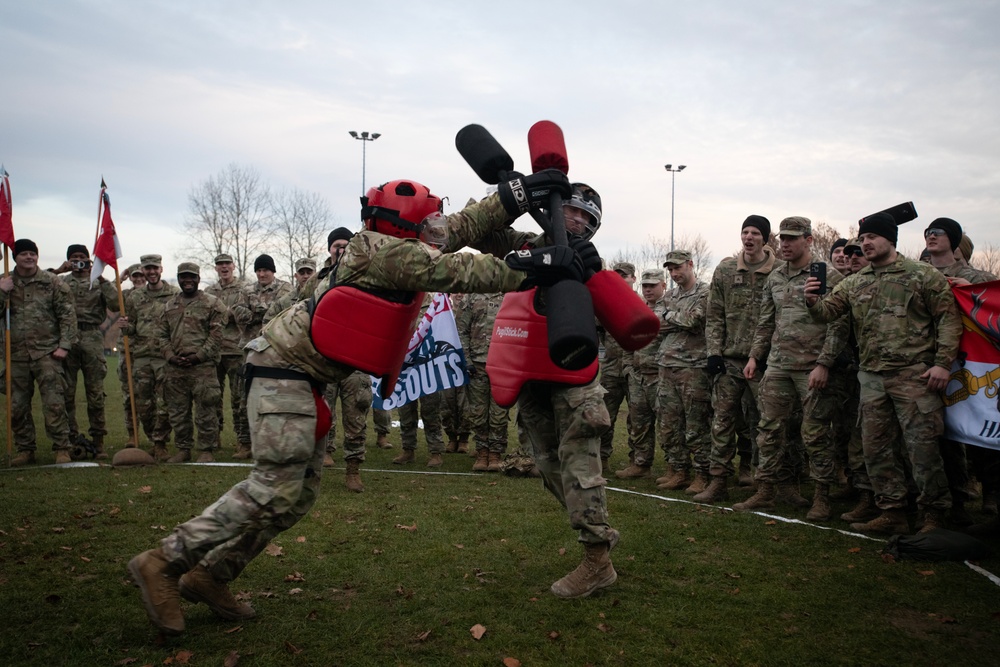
{"type": "Point", "coordinates": [398, 208]}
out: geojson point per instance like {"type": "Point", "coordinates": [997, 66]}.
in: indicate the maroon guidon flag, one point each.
{"type": "Point", "coordinates": [6, 210]}
{"type": "Point", "coordinates": [107, 250]}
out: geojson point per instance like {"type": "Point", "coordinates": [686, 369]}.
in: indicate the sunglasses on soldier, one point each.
{"type": "Point", "coordinates": [934, 231]}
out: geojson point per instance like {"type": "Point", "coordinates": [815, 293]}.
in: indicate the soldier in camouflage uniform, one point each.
{"type": "Point", "coordinates": [453, 403]}
{"type": "Point", "coordinates": [42, 332]}
{"type": "Point", "coordinates": [87, 355]}
{"type": "Point", "coordinates": [284, 400]}
{"type": "Point", "coordinates": [249, 313]}
{"type": "Point", "coordinates": [642, 386]}
{"type": "Point", "coordinates": [143, 313]}
{"type": "Point", "coordinates": [730, 322]}
{"type": "Point", "coordinates": [684, 392]}
{"type": "Point", "coordinates": [565, 423]}
{"type": "Point", "coordinates": [138, 281]}
{"type": "Point", "coordinates": [908, 326]}
{"type": "Point", "coordinates": [191, 332]}
{"type": "Point", "coordinates": [800, 354]}
{"type": "Point", "coordinates": [487, 419]}
{"type": "Point", "coordinates": [229, 290]}
{"type": "Point", "coordinates": [616, 366]}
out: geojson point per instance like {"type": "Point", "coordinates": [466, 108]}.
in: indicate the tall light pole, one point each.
{"type": "Point", "coordinates": [365, 137]}
{"type": "Point", "coordinates": [673, 176]}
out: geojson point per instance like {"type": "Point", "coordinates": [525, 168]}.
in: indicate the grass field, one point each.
{"type": "Point", "coordinates": [402, 573]}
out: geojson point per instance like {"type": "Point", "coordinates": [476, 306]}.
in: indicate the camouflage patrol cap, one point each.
{"type": "Point", "coordinates": [223, 257]}
{"type": "Point", "coordinates": [653, 277]}
{"type": "Point", "coordinates": [189, 267]}
{"type": "Point", "coordinates": [795, 226]}
{"type": "Point", "coordinates": [151, 260]}
{"type": "Point", "coordinates": [677, 257]}
{"type": "Point", "coordinates": [132, 270]}
{"type": "Point", "coordinates": [628, 268]}
{"type": "Point", "coordinates": [853, 244]}
{"type": "Point", "coordinates": [305, 263]}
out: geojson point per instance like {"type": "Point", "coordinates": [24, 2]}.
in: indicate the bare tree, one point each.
{"type": "Point", "coordinates": [230, 212]}
{"type": "Point", "coordinates": [301, 222]}
{"type": "Point", "coordinates": [824, 236]}
{"type": "Point", "coordinates": [987, 259]}
{"type": "Point", "coordinates": [651, 254]}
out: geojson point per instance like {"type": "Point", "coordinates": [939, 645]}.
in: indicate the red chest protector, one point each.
{"type": "Point", "coordinates": [519, 351]}
{"type": "Point", "coordinates": [365, 331]}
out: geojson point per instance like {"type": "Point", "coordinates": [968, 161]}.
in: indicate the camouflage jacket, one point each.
{"type": "Point", "coordinates": [616, 363]}
{"type": "Point", "coordinates": [475, 324]}
{"type": "Point", "coordinates": [787, 335]}
{"type": "Point", "coordinates": [960, 270]}
{"type": "Point", "coordinates": [144, 309]}
{"type": "Point", "coordinates": [734, 306]}
{"type": "Point", "coordinates": [284, 301]}
{"type": "Point", "coordinates": [645, 360]}
{"type": "Point", "coordinates": [683, 344]}
{"type": "Point", "coordinates": [250, 310]}
{"type": "Point", "coordinates": [375, 261]}
{"type": "Point", "coordinates": [42, 316]}
{"type": "Point", "coordinates": [193, 326]}
{"type": "Point", "coordinates": [903, 314]}
{"type": "Point", "coordinates": [230, 295]}
{"type": "Point", "coordinates": [92, 304]}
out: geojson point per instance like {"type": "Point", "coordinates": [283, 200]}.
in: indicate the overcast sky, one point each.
{"type": "Point", "coordinates": [831, 110]}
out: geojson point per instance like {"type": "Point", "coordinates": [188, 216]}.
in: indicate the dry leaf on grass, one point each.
{"type": "Point", "coordinates": [238, 628]}
{"type": "Point", "coordinates": [292, 648]}
{"type": "Point", "coordinates": [295, 591]}
{"type": "Point", "coordinates": [854, 550]}
{"type": "Point", "coordinates": [604, 627]}
{"type": "Point", "coordinates": [126, 661]}
{"type": "Point", "coordinates": [562, 551]}
{"type": "Point", "coordinates": [231, 660]}
{"type": "Point", "coordinates": [58, 530]}
{"type": "Point", "coordinates": [294, 576]}
{"type": "Point", "coordinates": [300, 539]}
{"type": "Point", "coordinates": [926, 573]}
{"type": "Point", "coordinates": [553, 635]}
{"type": "Point", "coordinates": [274, 550]}
{"type": "Point", "coordinates": [691, 539]}
{"type": "Point", "coordinates": [771, 522]}
{"type": "Point", "coordinates": [145, 489]}
{"type": "Point", "coordinates": [458, 546]}
{"type": "Point", "coordinates": [511, 662]}
{"type": "Point", "coordinates": [477, 631]}
{"type": "Point", "coordinates": [412, 528]}
{"type": "Point", "coordinates": [422, 637]}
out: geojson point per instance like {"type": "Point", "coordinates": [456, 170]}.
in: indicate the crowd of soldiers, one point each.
{"type": "Point", "coordinates": [845, 390]}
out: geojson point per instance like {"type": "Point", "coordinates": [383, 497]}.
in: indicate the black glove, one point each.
{"type": "Point", "coordinates": [716, 365]}
{"type": "Point", "coordinates": [546, 266]}
{"type": "Point", "coordinates": [588, 255]}
{"type": "Point", "coordinates": [520, 195]}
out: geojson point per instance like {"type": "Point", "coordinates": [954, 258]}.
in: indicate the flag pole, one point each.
{"type": "Point", "coordinates": [6, 349]}
{"type": "Point", "coordinates": [134, 435]}
{"type": "Point", "coordinates": [100, 203]}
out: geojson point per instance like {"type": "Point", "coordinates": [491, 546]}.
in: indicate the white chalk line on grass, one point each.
{"type": "Point", "coordinates": [975, 568]}
{"type": "Point", "coordinates": [774, 517]}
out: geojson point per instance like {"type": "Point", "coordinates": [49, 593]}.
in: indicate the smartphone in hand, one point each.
{"type": "Point", "coordinates": [818, 270]}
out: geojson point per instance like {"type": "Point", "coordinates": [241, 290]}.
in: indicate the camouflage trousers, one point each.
{"type": "Point", "coordinates": [896, 406]}
{"type": "Point", "coordinates": [616, 388]}
{"type": "Point", "coordinates": [230, 368]}
{"type": "Point", "coordinates": [240, 420]}
{"type": "Point", "coordinates": [487, 419]}
{"type": "Point", "coordinates": [382, 421]}
{"type": "Point", "coordinates": [734, 415]}
{"type": "Point", "coordinates": [779, 392]}
{"type": "Point", "coordinates": [355, 394]}
{"type": "Point", "coordinates": [642, 388]}
{"type": "Point", "coordinates": [454, 419]}
{"type": "Point", "coordinates": [50, 377]}
{"type": "Point", "coordinates": [684, 407]}
{"type": "Point", "coordinates": [192, 397]}
{"type": "Point", "coordinates": [427, 408]}
{"type": "Point", "coordinates": [564, 426]}
{"type": "Point", "coordinates": [147, 380]}
{"type": "Point", "coordinates": [87, 356]}
{"type": "Point", "coordinates": [847, 391]}
{"type": "Point", "coordinates": [283, 484]}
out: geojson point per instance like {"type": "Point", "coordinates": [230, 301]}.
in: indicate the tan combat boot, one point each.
{"type": "Point", "coordinates": [182, 456]}
{"type": "Point", "coordinates": [159, 587]}
{"type": "Point", "coordinates": [463, 444]}
{"type": "Point", "coordinates": [699, 484]}
{"type": "Point", "coordinates": [243, 451]}
{"type": "Point", "coordinates": [206, 457]}
{"type": "Point", "coordinates": [678, 479]}
{"type": "Point", "coordinates": [406, 456]}
{"type": "Point", "coordinates": [605, 469]}
{"type": "Point", "coordinates": [889, 522]}
{"type": "Point", "coordinates": [745, 473]}
{"type": "Point", "coordinates": [865, 510]}
{"type": "Point", "coordinates": [493, 462]}
{"type": "Point", "coordinates": [199, 585]}
{"type": "Point", "coordinates": [452, 446]}
{"type": "Point", "coordinates": [593, 573]}
{"type": "Point", "coordinates": [931, 520]}
{"type": "Point", "coordinates": [435, 460]}
{"type": "Point", "coordinates": [821, 509]}
{"type": "Point", "coordinates": [62, 456]}
{"type": "Point", "coordinates": [789, 494]}
{"type": "Point", "coordinates": [382, 441]}
{"type": "Point", "coordinates": [352, 478]}
{"type": "Point", "coordinates": [99, 454]}
{"type": "Point", "coordinates": [328, 461]}
{"type": "Point", "coordinates": [24, 458]}
{"type": "Point", "coordinates": [762, 499]}
{"type": "Point", "coordinates": [482, 463]}
{"type": "Point", "coordinates": [160, 453]}
{"type": "Point", "coordinates": [633, 471]}
{"type": "Point", "coordinates": [715, 491]}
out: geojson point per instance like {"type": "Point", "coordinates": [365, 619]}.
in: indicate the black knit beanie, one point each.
{"type": "Point", "coordinates": [839, 243]}
{"type": "Point", "coordinates": [264, 262]}
{"type": "Point", "coordinates": [77, 247]}
{"type": "Point", "coordinates": [882, 224]}
{"type": "Point", "coordinates": [951, 228]}
{"type": "Point", "coordinates": [22, 245]}
{"type": "Point", "coordinates": [761, 223]}
{"type": "Point", "coordinates": [339, 234]}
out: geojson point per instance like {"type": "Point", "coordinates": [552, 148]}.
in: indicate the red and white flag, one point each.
{"type": "Point", "coordinates": [107, 250]}
{"type": "Point", "coordinates": [6, 210]}
{"type": "Point", "coordinates": [972, 397]}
